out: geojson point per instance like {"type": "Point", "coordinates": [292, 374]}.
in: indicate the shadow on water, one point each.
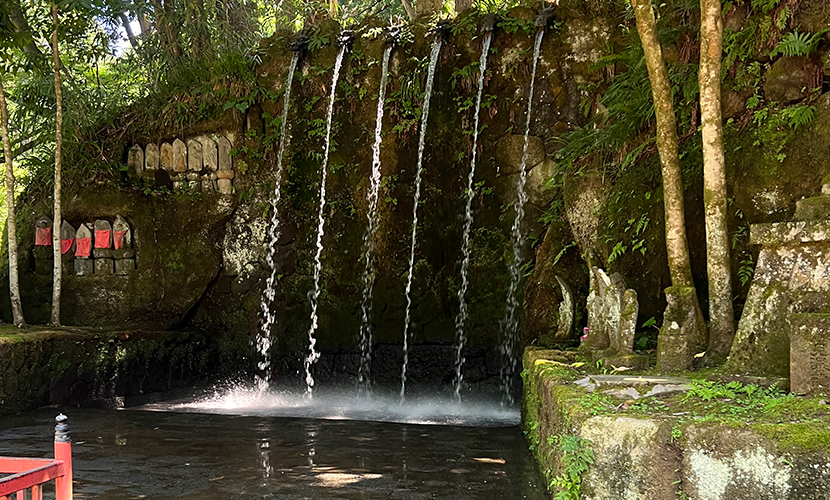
{"type": "Point", "coordinates": [243, 444]}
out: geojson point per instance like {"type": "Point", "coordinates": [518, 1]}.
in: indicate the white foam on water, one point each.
{"type": "Point", "coordinates": [337, 405]}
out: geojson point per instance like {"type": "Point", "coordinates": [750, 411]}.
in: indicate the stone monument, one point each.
{"type": "Point", "coordinates": [612, 321]}
{"type": "Point", "coordinates": [785, 324]}
{"type": "Point", "coordinates": [103, 247]}
{"type": "Point", "coordinates": [123, 252]}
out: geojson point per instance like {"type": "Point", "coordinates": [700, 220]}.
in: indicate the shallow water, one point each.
{"type": "Point", "coordinates": [202, 450]}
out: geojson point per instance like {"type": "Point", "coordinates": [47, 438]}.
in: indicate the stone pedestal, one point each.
{"type": "Point", "coordinates": [104, 266]}
{"type": "Point", "coordinates": [84, 267]}
{"type": "Point", "coordinates": [102, 253]}
{"type": "Point", "coordinates": [124, 267]}
{"type": "Point", "coordinates": [810, 354]}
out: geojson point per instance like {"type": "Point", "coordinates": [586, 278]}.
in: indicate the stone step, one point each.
{"type": "Point", "coordinates": [815, 208]}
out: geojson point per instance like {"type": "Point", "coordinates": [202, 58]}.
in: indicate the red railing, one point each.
{"type": "Point", "coordinates": [29, 474]}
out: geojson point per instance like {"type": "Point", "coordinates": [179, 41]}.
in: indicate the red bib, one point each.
{"type": "Point", "coordinates": [66, 245]}
{"type": "Point", "coordinates": [119, 239]}
{"type": "Point", "coordinates": [83, 247]}
{"type": "Point", "coordinates": [43, 236]}
{"type": "Point", "coordinates": [102, 238]}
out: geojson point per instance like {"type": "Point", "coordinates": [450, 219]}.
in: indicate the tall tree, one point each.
{"type": "Point", "coordinates": [56, 224]}
{"type": "Point", "coordinates": [14, 283]}
{"type": "Point", "coordinates": [677, 245]}
{"type": "Point", "coordinates": [721, 315]}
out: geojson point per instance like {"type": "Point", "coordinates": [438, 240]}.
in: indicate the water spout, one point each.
{"type": "Point", "coordinates": [314, 294]}
{"type": "Point", "coordinates": [433, 63]}
{"type": "Point", "coordinates": [263, 341]}
{"type": "Point", "coordinates": [364, 372]}
{"type": "Point", "coordinates": [461, 318]}
{"type": "Point", "coordinates": [510, 321]}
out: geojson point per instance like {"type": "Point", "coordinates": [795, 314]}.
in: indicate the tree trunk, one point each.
{"type": "Point", "coordinates": [130, 35]}
{"type": "Point", "coordinates": [56, 223]}
{"type": "Point", "coordinates": [721, 315]}
{"type": "Point", "coordinates": [14, 284]}
{"type": "Point", "coordinates": [677, 246]}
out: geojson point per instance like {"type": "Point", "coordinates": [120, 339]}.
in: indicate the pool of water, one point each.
{"type": "Point", "coordinates": [269, 446]}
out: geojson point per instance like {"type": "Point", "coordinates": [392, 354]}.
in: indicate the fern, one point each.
{"type": "Point", "coordinates": [798, 44]}
{"type": "Point", "coordinates": [747, 270]}
{"type": "Point", "coordinates": [798, 116]}
{"type": "Point", "coordinates": [766, 6]}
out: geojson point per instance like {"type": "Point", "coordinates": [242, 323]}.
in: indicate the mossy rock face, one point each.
{"type": "Point", "coordinates": [175, 239]}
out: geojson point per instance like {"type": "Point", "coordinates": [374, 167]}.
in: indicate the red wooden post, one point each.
{"type": "Point", "coordinates": [63, 453]}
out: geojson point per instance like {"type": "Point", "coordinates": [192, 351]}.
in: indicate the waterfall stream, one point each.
{"type": "Point", "coordinates": [263, 340]}
{"type": "Point", "coordinates": [364, 373]}
{"type": "Point", "coordinates": [461, 318]}
{"type": "Point", "coordinates": [510, 321]}
{"type": "Point", "coordinates": [314, 295]}
{"type": "Point", "coordinates": [433, 62]}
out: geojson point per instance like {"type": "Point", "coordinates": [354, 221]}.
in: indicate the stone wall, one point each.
{"type": "Point", "coordinates": [84, 367]}
{"type": "Point", "coordinates": [649, 455]}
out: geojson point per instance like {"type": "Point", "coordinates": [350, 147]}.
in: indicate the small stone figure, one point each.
{"type": "Point", "coordinates": [103, 243]}
{"type": "Point", "coordinates": [166, 157]}
{"type": "Point", "coordinates": [83, 242]}
{"type": "Point", "coordinates": [43, 232]}
{"type": "Point", "coordinates": [151, 157]}
{"type": "Point", "coordinates": [84, 266]}
{"type": "Point", "coordinates": [194, 155]}
{"type": "Point", "coordinates": [135, 159]}
{"type": "Point", "coordinates": [566, 310]}
{"type": "Point", "coordinates": [122, 236]}
{"type": "Point", "coordinates": [210, 156]}
{"type": "Point", "coordinates": [67, 237]}
{"type": "Point", "coordinates": [179, 156]}
{"type": "Point", "coordinates": [612, 321]}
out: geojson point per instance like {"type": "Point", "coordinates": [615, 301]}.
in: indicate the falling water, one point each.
{"type": "Point", "coordinates": [510, 322]}
{"type": "Point", "coordinates": [433, 62]}
{"type": "Point", "coordinates": [461, 318]}
{"type": "Point", "coordinates": [263, 341]}
{"type": "Point", "coordinates": [363, 375]}
{"type": "Point", "coordinates": [313, 355]}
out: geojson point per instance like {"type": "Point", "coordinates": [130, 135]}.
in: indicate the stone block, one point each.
{"type": "Point", "coordinates": [84, 267]}
{"type": "Point", "coordinates": [123, 253]}
{"type": "Point", "coordinates": [207, 184]}
{"type": "Point", "coordinates": [810, 354]}
{"type": "Point", "coordinates": [124, 267]}
{"type": "Point", "coordinates": [224, 186]}
{"type": "Point", "coordinates": [104, 266]}
{"type": "Point", "coordinates": [816, 208]}
{"type": "Point", "coordinates": [102, 253]}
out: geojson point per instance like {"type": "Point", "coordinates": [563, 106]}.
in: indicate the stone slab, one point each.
{"type": "Point", "coordinates": [637, 380]}
{"type": "Point", "coordinates": [780, 233]}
